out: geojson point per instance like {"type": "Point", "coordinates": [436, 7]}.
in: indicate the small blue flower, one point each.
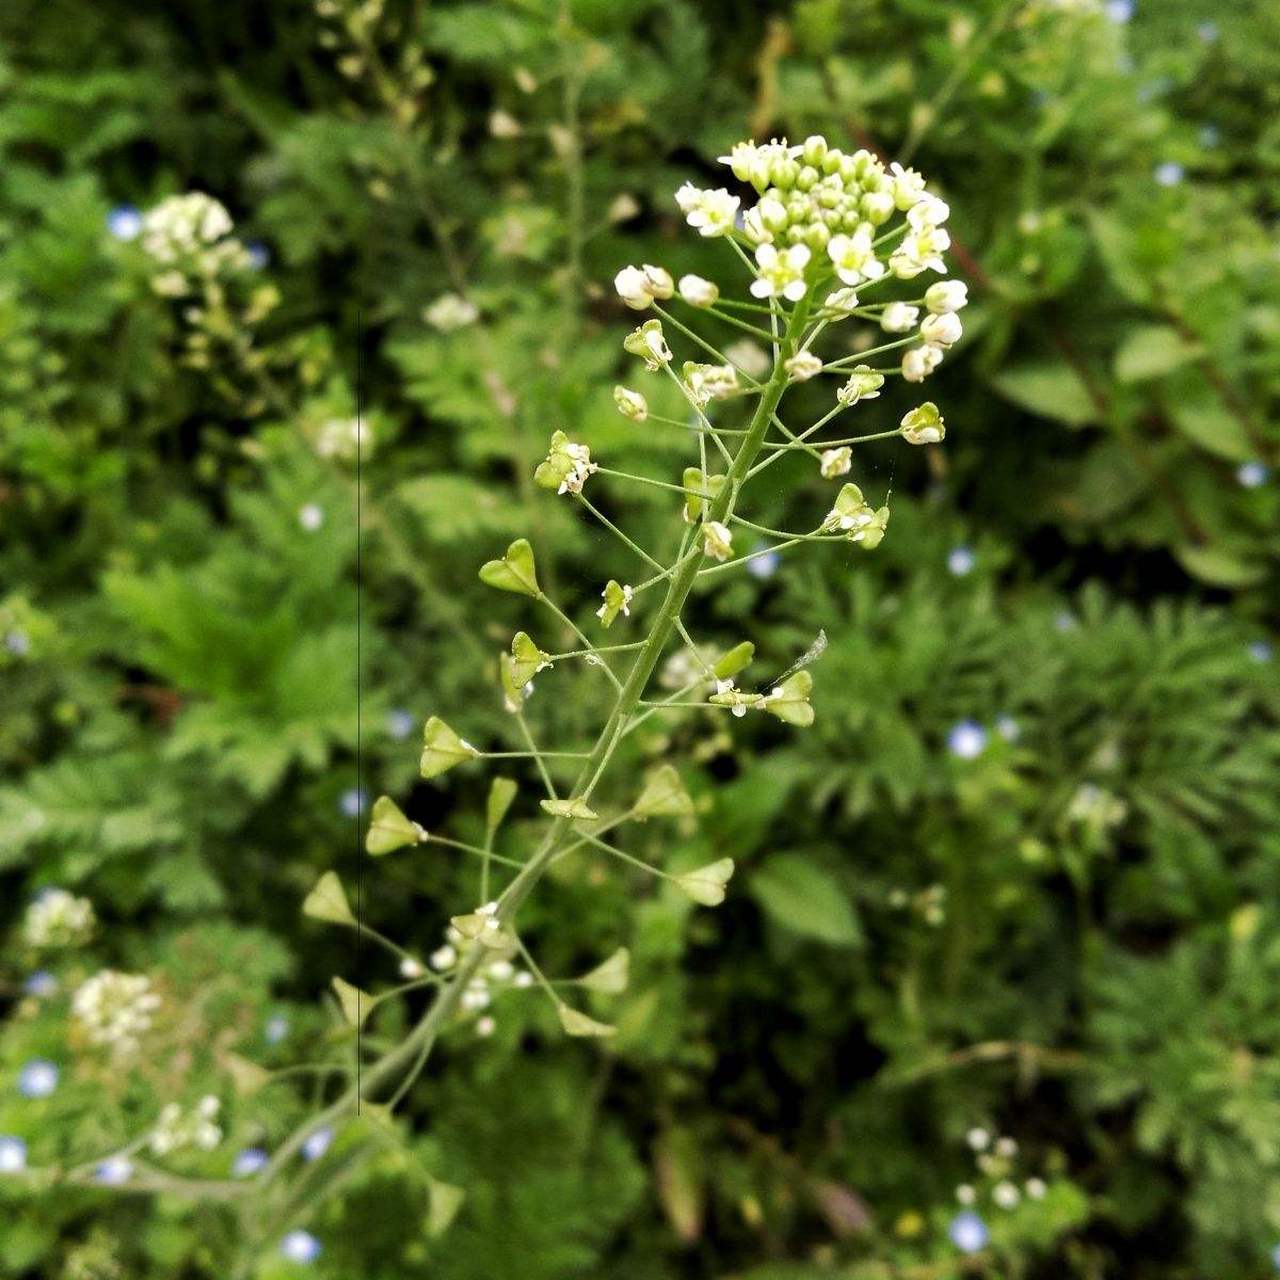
{"type": "Point", "coordinates": [968, 1232]}
{"type": "Point", "coordinates": [18, 643]}
{"type": "Point", "coordinates": [259, 254]}
{"type": "Point", "coordinates": [114, 1171]}
{"type": "Point", "coordinates": [1120, 10]}
{"type": "Point", "coordinates": [1208, 32]}
{"type": "Point", "coordinates": [961, 561]}
{"type": "Point", "coordinates": [1210, 135]}
{"type": "Point", "coordinates": [1260, 651]}
{"type": "Point", "coordinates": [41, 984]}
{"type": "Point", "coordinates": [38, 1078]}
{"type": "Point", "coordinates": [300, 1246]}
{"type": "Point", "coordinates": [317, 1143]}
{"type": "Point", "coordinates": [1064, 620]}
{"type": "Point", "coordinates": [1008, 728]}
{"type": "Point", "coordinates": [275, 1028]}
{"type": "Point", "coordinates": [13, 1154]}
{"type": "Point", "coordinates": [1252, 475]}
{"type": "Point", "coordinates": [400, 723]}
{"type": "Point", "coordinates": [764, 566]}
{"type": "Point", "coordinates": [248, 1162]}
{"type": "Point", "coordinates": [125, 222]}
{"type": "Point", "coordinates": [352, 802]}
{"type": "Point", "coordinates": [967, 740]}
{"type": "Point", "coordinates": [1170, 173]}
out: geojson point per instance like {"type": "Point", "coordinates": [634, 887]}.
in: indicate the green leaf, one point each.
{"type": "Point", "coordinates": [802, 897]}
{"type": "Point", "coordinates": [578, 1024]}
{"type": "Point", "coordinates": [514, 572]}
{"type": "Point", "coordinates": [1152, 351]}
{"type": "Point", "coordinates": [1221, 568]}
{"type": "Point", "coordinates": [576, 808]}
{"type": "Point", "coordinates": [502, 791]}
{"type": "Point", "coordinates": [1050, 389]}
{"type": "Point", "coordinates": [328, 901]}
{"type": "Point", "coordinates": [706, 884]}
{"type": "Point", "coordinates": [680, 1180]}
{"type": "Point", "coordinates": [442, 749]}
{"type": "Point", "coordinates": [663, 796]}
{"type": "Point", "coordinates": [389, 829]}
{"type": "Point", "coordinates": [1211, 425]}
{"type": "Point", "coordinates": [356, 1004]}
{"type": "Point", "coordinates": [610, 976]}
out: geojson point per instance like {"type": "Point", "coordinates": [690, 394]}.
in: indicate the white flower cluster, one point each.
{"type": "Point", "coordinates": [497, 975]}
{"type": "Point", "coordinates": [996, 1160]}
{"type": "Point", "coordinates": [115, 1009]}
{"type": "Point", "coordinates": [58, 919]}
{"type": "Point", "coordinates": [191, 235]}
{"type": "Point", "coordinates": [176, 1128]}
{"type": "Point", "coordinates": [343, 439]}
{"type": "Point", "coordinates": [450, 312]}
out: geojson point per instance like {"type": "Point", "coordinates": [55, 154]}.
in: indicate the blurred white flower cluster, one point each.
{"type": "Point", "coordinates": [191, 235]}
{"type": "Point", "coordinates": [115, 1009]}
{"type": "Point", "coordinates": [176, 1128]}
{"type": "Point", "coordinates": [58, 919]}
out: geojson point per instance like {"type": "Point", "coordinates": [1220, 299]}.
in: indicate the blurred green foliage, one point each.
{"type": "Point", "coordinates": [1070, 939]}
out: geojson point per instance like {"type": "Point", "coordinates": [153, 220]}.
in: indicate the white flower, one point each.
{"type": "Point", "coordinates": [631, 404]}
{"type": "Point", "coordinates": [923, 425]}
{"type": "Point", "coordinates": [1036, 1188]}
{"type": "Point", "coordinates": [835, 462]}
{"type": "Point", "coordinates": [311, 517]}
{"type": "Point", "coordinates": [920, 362]}
{"type": "Point", "coordinates": [946, 295]}
{"type": "Point", "coordinates": [781, 274]}
{"type": "Point", "coordinates": [1006, 1147]}
{"type": "Point", "coordinates": [1006, 1195]}
{"type": "Point", "coordinates": [411, 969]}
{"type": "Point", "coordinates": [476, 996]}
{"type": "Point", "coordinates": [485, 1026]}
{"type": "Point", "coordinates": [928, 212]}
{"type": "Point", "coordinates": [632, 285]}
{"type": "Point", "coordinates": [443, 958]}
{"type": "Point", "coordinates": [803, 366]}
{"type": "Point", "coordinates": [182, 226]}
{"type": "Point", "coordinates": [754, 229]}
{"type": "Point", "coordinates": [965, 1194]}
{"type": "Point", "coordinates": [864, 384]}
{"type": "Point", "coordinates": [449, 312]}
{"type": "Point", "coordinates": [920, 251]}
{"type": "Point", "coordinates": [906, 184]}
{"type": "Point", "coordinates": [717, 541]}
{"type": "Point", "coordinates": [899, 317]}
{"type": "Point", "coordinates": [711, 212]}
{"type": "Point", "coordinates": [698, 292]}
{"type": "Point", "coordinates": [978, 1139]}
{"type": "Point", "coordinates": [758, 164]}
{"type": "Point", "coordinates": [841, 300]}
{"type": "Point", "coordinates": [942, 330]}
{"type": "Point", "coordinates": [57, 919]}
{"type": "Point", "coordinates": [854, 258]}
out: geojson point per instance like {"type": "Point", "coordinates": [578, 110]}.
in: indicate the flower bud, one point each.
{"type": "Point", "coordinates": [899, 317]}
{"type": "Point", "coordinates": [632, 285]}
{"type": "Point", "coordinates": [920, 362]}
{"type": "Point", "coordinates": [942, 330]}
{"type": "Point", "coordinates": [649, 344]}
{"type": "Point", "coordinates": [877, 207]}
{"type": "Point", "coordinates": [946, 296]}
{"type": "Point", "coordinates": [864, 384]}
{"type": "Point", "coordinates": [815, 149]}
{"type": "Point", "coordinates": [698, 292]}
{"type": "Point", "coordinates": [660, 283]}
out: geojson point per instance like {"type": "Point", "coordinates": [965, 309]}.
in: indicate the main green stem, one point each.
{"type": "Point", "coordinates": [423, 1036]}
